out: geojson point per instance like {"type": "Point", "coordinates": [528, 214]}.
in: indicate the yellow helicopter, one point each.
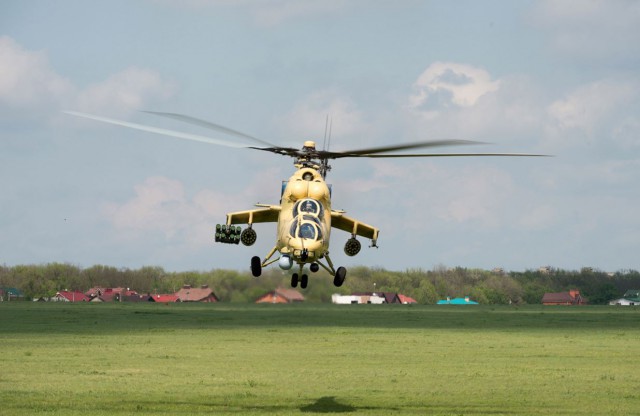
{"type": "Point", "coordinates": [304, 215]}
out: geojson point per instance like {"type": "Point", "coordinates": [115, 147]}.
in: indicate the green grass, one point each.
{"type": "Point", "coordinates": [115, 359]}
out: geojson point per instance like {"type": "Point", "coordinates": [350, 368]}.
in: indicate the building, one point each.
{"type": "Point", "coordinates": [281, 295]}
{"type": "Point", "coordinates": [376, 298]}
{"type": "Point", "coordinates": [356, 299]}
{"type": "Point", "coordinates": [10, 293]}
{"type": "Point", "coordinates": [111, 294]}
{"type": "Point", "coordinates": [406, 300]}
{"type": "Point", "coordinates": [162, 298]}
{"type": "Point", "coordinates": [457, 301]}
{"type": "Point", "coordinates": [67, 296]}
{"type": "Point", "coordinates": [571, 297]}
{"type": "Point", "coordinates": [389, 297]}
{"type": "Point", "coordinates": [196, 294]}
{"type": "Point", "coordinates": [630, 298]}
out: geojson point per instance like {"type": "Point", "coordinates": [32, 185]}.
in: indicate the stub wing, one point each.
{"type": "Point", "coordinates": [267, 213]}
{"type": "Point", "coordinates": [353, 226]}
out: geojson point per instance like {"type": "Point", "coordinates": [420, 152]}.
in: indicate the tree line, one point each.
{"type": "Point", "coordinates": [426, 286]}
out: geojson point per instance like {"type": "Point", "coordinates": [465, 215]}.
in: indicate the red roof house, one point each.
{"type": "Point", "coordinates": [66, 296]}
{"type": "Point", "coordinates": [163, 298]}
{"type": "Point", "coordinates": [195, 294]}
{"type": "Point", "coordinates": [405, 300]}
{"type": "Point", "coordinates": [571, 297]}
{"type": "Point", "coordinates": [281, 295]}
{"type": "Point", "coordinates": [110, 294]}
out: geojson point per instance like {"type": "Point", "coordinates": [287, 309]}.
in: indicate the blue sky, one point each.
{"type": "Point", "coordinates": [555, 77]}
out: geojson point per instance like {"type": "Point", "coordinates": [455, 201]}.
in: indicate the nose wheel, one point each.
{"type": "Point", "coordinates": [303, 280]}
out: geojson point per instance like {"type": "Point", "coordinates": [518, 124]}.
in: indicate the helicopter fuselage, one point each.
{"type": "Point", "coordinates": [304, 222]}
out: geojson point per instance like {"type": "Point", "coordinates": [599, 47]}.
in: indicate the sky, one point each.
{"type": "Point", "coordinates": [558, 77]}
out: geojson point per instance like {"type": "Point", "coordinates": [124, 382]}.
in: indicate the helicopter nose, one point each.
{"type": "Point", "coordinates": [300, 246]}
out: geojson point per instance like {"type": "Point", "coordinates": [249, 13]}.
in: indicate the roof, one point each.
{"type": "Point", "coordinates": [72, 296]}
{"type": "Point", "coordinates": [196, 294]}
{"type": "Point", "coordinates": [107, 294]}
{"type": "Point", "coordinates": [406, 299]}
{"type": "Point", "coordinates": [457, 301]}
{"type": "Point", "coordinates": [16, 293]}
{"type": "Point", "coordinates": [289, 294]}
{"type": "Point", "coordinates": [163, 298]}
{"type": "Point", "coordinates": [632, 293]}
{"type": "Point", "coordinates": [565, 298]}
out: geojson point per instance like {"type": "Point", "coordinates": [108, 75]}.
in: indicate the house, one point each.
{"type": "Point", "coordinates": [356, 299]}
{"type": "Point", "coordinates": [630, 298]}
{"type": "Point", "coordinates": [376, 298]}
{"type": "Point", "coordinates": [457, 301]}
{"type": "Point", "coordinates": [406, 300]}
{"type": "Point", "coordinates": [389, 297]}
{"type": "Point", "coordinates": [68, 296]}
{"type": "Point", "coordinates": [192, 294]}
{"type": "Point", "coordinates": [281, 295]}
{"type": "Point", "coordinates": [162, 298]}
{"type": "Point", "coordinates": [110, 294]}
{"type": "Point", "coordinates": [10, 293]}
{"type": "Point", "coordinates": [571, 297]}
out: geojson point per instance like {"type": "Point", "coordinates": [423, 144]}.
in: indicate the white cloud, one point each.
{"type": "Point", "coordinates": [30, 86]}
{"type": "Point", "coordinates": [27, 81]}
{"type": "Point", "coordinates": [601, 110]}
{"type": "Point", "coordinates": [124, 92]}
{"type": "Point", "coordinates": [445, 83]}
{"type": "Point", "coordinates": [162, 206]}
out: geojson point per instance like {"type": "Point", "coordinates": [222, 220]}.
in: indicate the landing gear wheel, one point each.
{"type": "Point", "coordinates": [256, 266]}
{"type": "Point", "coordinates": [294, 280]}
{"type": "Point", "coordinates": [303, 281]}
{"type": "Point", "coordinates": [341, 274]}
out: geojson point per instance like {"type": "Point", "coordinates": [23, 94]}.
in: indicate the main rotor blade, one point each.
{"type": "Point", "coordinates": [208, 125]}
{"type": "Point", "coordinates": [165, 132]}
{"type": "Point", "coordinates": [455, 154]}
{"type": "Point", "coordinates": [393, 148]}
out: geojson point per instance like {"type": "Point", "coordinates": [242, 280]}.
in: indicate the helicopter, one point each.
{"type": "Point", "coordinates": [304, 215]}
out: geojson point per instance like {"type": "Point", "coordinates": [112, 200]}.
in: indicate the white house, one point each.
{"type": "Point", "coordinates": [624, 302]}
{"type": "Point", "coordinates": [356, 299]}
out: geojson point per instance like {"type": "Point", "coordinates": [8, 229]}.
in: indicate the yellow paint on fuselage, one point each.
{"type": "Point", "coordinates": [295, 225]}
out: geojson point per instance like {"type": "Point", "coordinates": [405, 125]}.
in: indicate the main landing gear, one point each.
{"type": "Point", "coordinates": [338, 278]}
{"type": "Point", "coordinates": [301, 278]}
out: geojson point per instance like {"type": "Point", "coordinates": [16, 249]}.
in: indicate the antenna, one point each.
{"type": "Point", "coordinates": [324, 142]}
{"type": "Point", "coordinates": [329, 138]}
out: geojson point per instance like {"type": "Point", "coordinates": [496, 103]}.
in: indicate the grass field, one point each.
{"type": "Point", "coordinates": [110, 359]}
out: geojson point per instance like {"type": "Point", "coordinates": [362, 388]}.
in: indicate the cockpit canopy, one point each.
{"type": "Point", "coordinates": [307, 215]}
{"type": "Point", "coordinates": [308, 206]}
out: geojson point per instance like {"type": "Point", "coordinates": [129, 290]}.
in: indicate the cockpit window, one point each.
{"type": "Point", "coordinates": [307, 231]}
{"type": "Point", "coordinates": [308, 207]}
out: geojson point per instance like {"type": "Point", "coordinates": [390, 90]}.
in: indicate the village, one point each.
{"type": "Point", "coordinates": [204, 294]}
